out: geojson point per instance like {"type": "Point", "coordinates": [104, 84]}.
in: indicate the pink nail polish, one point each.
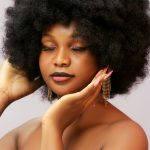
{"type": "Point", "coordinates": [106, 69]}
{"type": "Point", "coordinates": [109, 74]}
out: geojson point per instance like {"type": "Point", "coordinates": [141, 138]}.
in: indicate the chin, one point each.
{"type": "Point", "coordinates": [62, 93]}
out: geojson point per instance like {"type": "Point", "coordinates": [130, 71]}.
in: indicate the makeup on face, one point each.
{"type": "Point", "coordinates": [66, 63]}
{"type": "Point", "coordinates": [61, 76]}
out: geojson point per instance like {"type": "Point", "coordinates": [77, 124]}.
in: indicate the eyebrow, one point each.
{"type": "Point", "coordinates": [74, 35]}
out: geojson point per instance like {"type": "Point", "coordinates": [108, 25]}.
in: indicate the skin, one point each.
{"type": "Point", "coordinates": [61, 48]}
{"type": "Point", "coordinates": [79, 120]}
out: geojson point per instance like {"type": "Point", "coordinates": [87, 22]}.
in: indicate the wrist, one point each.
{"type": "Point", "coordinates": [51, 136]}
{"type": "Point", "coordinates": [48, 122]}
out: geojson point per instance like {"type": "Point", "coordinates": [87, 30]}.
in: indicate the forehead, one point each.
{"type": "Point", "coordinates": [62, 29]}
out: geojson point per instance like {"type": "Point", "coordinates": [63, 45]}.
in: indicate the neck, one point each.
{"type": "Point", "coordinates": [93, 115]}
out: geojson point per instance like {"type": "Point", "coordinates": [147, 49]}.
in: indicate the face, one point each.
{"type": "Point", "coordinates": [65, 61]}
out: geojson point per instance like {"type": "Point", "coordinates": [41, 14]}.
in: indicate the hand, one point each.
{"type": "Point", "coordinates": [14, 82]}
{"type": "Point", "coordinates": [69, 107]}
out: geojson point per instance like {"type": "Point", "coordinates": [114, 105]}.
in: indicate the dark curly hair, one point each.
{"type": "Point", "coordinates": [118, 32]}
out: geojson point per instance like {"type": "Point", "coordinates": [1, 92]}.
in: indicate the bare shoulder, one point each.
{"type": "Point", "coordinates": [14, 136]}
{"type": "Point", "coordinates": [27, 129]}
{"type": "Point", "coordinates": [127, 134]}
{"type": "Point", "coordinates": [30, 125]}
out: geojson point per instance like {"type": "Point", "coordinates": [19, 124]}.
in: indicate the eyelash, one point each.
{"type": "Point", "coordinates": [45, 48]}
{"type": "Point", "coordinates": [79, 48]}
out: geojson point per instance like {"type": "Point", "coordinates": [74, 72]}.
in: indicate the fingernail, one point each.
{"type": "Point", "coordinates": [105, 69]}
{"type": "Point", "coordinates": [109, 74]}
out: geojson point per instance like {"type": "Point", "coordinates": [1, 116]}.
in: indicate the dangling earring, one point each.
{"type": "Point", "coordinates": [106, 88]}
{"type": "Point", "coordinates": [49, 95]}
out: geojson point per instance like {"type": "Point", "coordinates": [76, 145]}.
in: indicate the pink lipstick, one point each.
{"type": "Point", "coordinates": [61, 76]}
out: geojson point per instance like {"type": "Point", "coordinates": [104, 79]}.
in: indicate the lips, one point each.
{"type": "Point", "coordinates": [61, 76]}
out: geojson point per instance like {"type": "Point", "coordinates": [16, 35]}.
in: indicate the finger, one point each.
{"type": "Point", "coordinates": [91, 87]}
{"type": "Point", "coordinates": [108, 75]}
{"type": "Point", "coordinates": [95, 94]}
{"type": "Point", "coordinates": [100, 81]}
{"type": "Point", "coordinates": [100, 72]}
{"type": "Point", "coordinates": [81, 97]}
{"type": "Point", "coordinates": [97, 75]}
{"type": "Point", "coordinates": [97, 86]}
{"type": "Point", "coordinates": [84, 93]}
{"type": "Point", "coordinates": [12, 69]}
{"type": "Point", "coordinates": [87, 95]}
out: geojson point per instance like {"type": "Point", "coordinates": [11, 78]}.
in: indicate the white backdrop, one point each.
{"type": "Point", "coordinates": [136, 104]}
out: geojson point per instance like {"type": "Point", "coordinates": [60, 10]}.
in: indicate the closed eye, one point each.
{"type": "Point", "coordinates": [79, 48]}
{"type": "Point", "coordinates": [45, 48]}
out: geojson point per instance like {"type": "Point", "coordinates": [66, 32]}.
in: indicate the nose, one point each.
{"type": "Point", "coordinates": [62, 58]}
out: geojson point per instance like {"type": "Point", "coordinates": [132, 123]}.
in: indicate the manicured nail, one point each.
{"type": "Point", "coordinates": [105, 69]}
{"type": "Point", "coordinates": [108, 75]}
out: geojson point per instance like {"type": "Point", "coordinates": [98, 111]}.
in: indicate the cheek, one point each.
{"type": "Point", "coordinates": [43, 64]}
{"type": "Point", "coordinates": [86, 68]}
{"type": "Point", "coordinates": [89, 64]}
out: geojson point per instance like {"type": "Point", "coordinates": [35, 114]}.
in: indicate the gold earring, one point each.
{"type": "Point", "coordinates": [106, 88]}
{"type": "Point", "coordinates": [49, 95]}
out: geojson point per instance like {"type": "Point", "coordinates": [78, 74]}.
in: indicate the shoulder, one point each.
{"type": "Point", "coordinates": [29, 125]}
{"type": "Point", "coordinates": [13, 137]}
{"type": "Point", "coordinates": [27, 129]}
{"type": "Point", "coordinates": [127, 134]}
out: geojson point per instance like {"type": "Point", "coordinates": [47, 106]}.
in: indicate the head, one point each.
{"type": "Point", "coordinates": [114, 33]}
{"type": "Point", "coordinates": [65, 60]}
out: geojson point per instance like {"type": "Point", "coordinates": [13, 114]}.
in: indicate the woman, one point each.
{"type": "Point", "coordinates": [83, 52]}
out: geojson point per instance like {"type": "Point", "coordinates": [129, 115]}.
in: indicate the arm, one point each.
{"type": "Point", "coordinates": [14, 85]}
{"type": "Point", "coordinates": [51, 136]}
{"type": "Point", "coordinates": [16, 138]}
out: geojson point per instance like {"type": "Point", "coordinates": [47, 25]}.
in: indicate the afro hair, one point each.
{"type": "Point", "coordinates": [118, 32]}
